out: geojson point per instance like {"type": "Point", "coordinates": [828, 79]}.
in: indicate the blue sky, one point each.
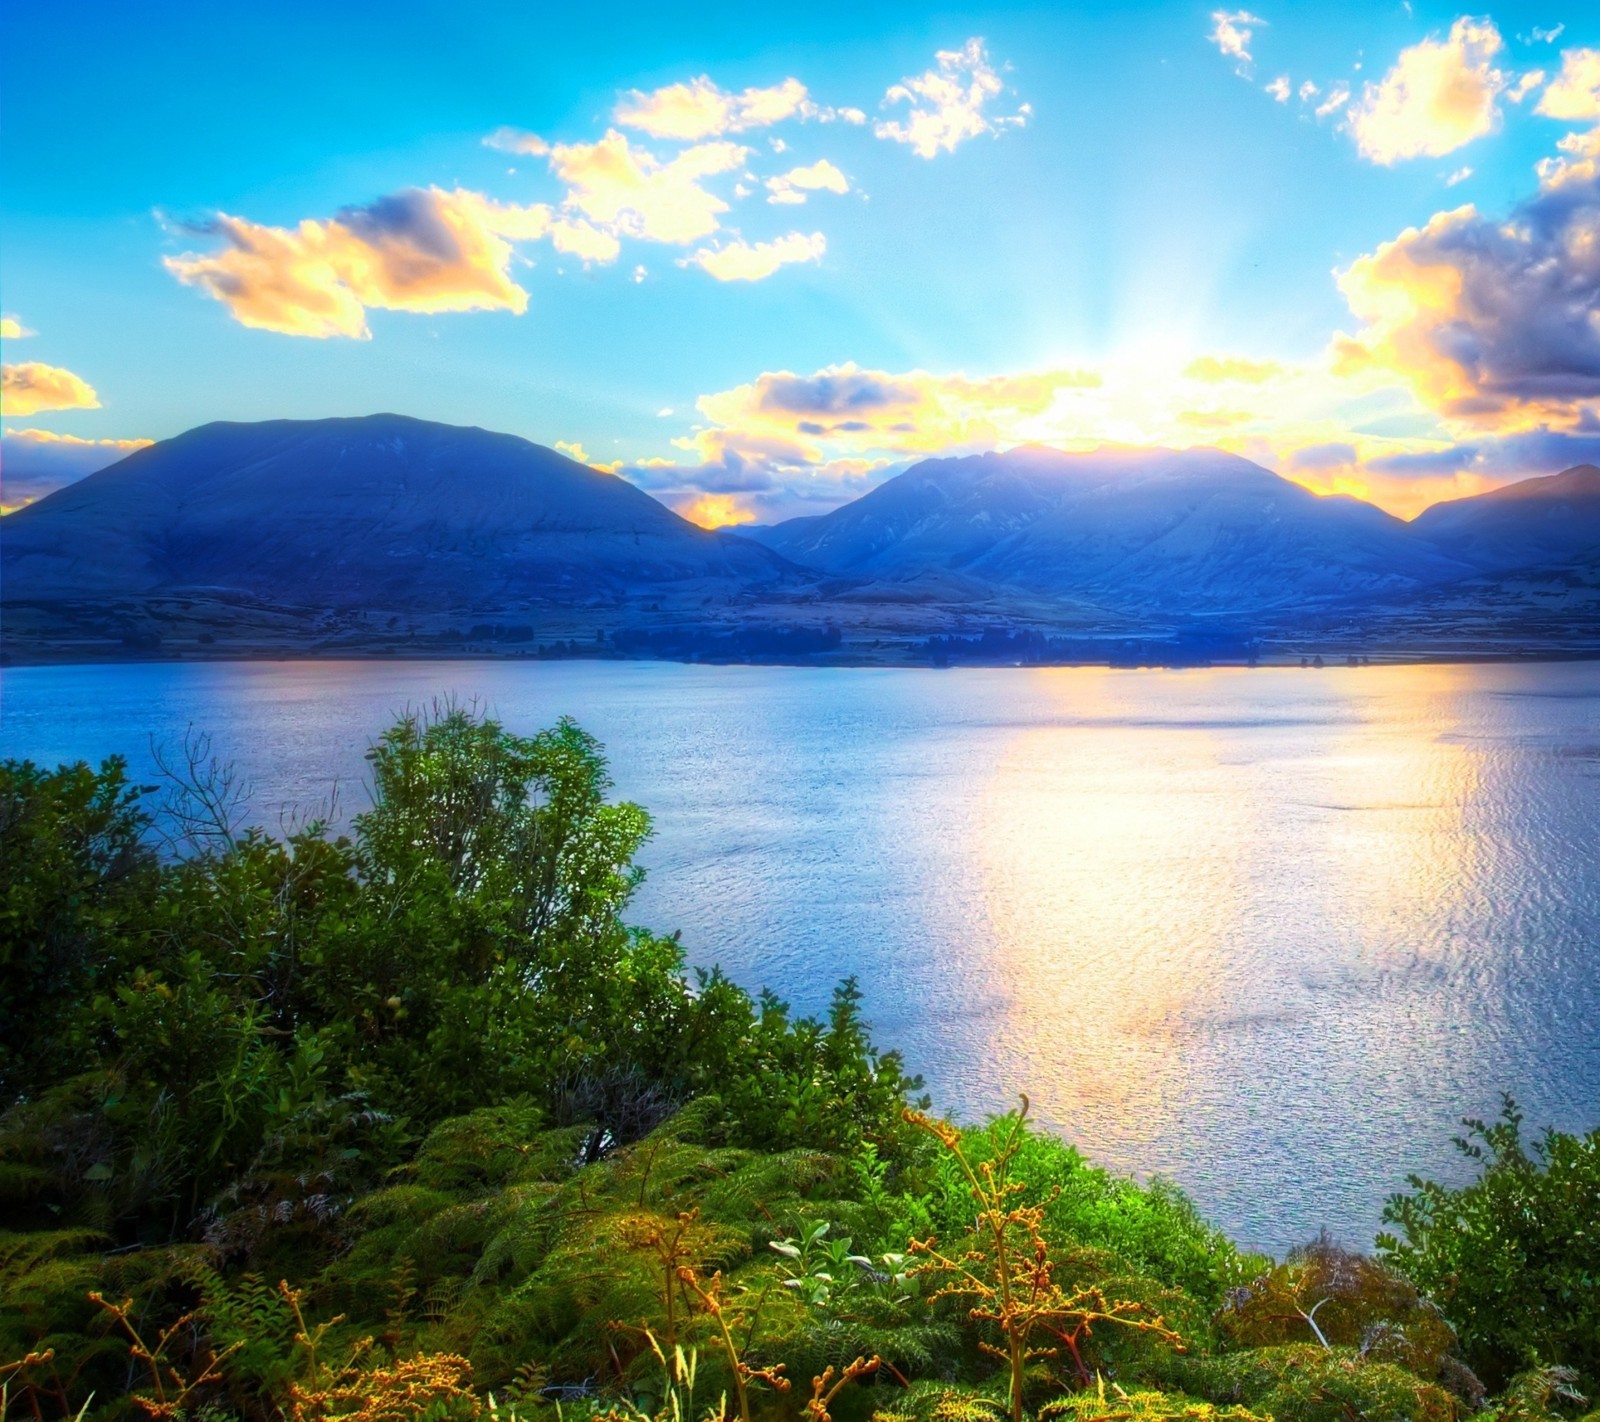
{"type": "Point", "coordinates": [1065, 223]}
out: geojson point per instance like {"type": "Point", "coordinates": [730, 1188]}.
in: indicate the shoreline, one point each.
{"type": "Point", "coordinates": [1296, 661]}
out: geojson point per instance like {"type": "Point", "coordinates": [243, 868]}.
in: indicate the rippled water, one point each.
{"type": "Point", "coordinates": [1268, 932]}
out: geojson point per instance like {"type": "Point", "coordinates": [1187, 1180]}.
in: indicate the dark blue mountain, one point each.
{"type": "Point", "coordinates": [379, 511]}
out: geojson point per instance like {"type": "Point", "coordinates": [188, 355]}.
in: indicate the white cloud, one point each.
{"type": "Point", "coordinates": [792, 187]}
{"type": "Point", "coordinates": [1338, 97]}
{"type": "Point", "coordinates": [629, 192]}
{"type": "Point", "coordinates": [1440, 95]}
{"type": "Point", "coordinates": [1231, 32]}
{"type": "Point", "coordinates": [517, 140]}
{"type": "Point", "coordinates": [1575, 92]}
{"type": "Point", "coordinates": [1549, 36]}
{"type": "Point", "coordinates": [1279, 88]}
{"type": "Point", "coordinates": [699, 109]}
{"type": "Point", "coordinates": [1525, 86]}
{"type": "Point", "coordinates": [1308, 90]}
{"type": "Point", "coordinates": [947, 103]}
{"type": "Point", "coordinates": [1459, 176]}
{"type": "Point", "coordinates": [745, 261]}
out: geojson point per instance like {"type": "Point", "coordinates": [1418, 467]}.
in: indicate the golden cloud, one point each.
{"type": "Point", "coordinates": [712, 510]}
{"type": "Point", "coordinates": [1575, 92]}
{"type": "Point", "coordinates": [1217, 370]}
{"type": "Point", "coordinates": [754, 261]}
{"type": "Point", "coordinates": [30, 387]}
{"type": "Point", "coordinates": [38, 462]}
{"type": "Point", "coordinates": [947, 104]}
{"type": "Point", "coordinates": [629, 192]}
{"type": "Point", "coordinates": [847, 411]}
{"type": "Point", "coordinates": [699, 109]}
{"type": "Point", "coordinates": [1439, 95]}
{"type": "Point", "coordinates": [420, 250]}
{"type": "Point", "coordinates": [786, 443]}
{"type": "Point", "coordinates": [1492, 324]}
{"type": "Point", "coordinates": [12, 329]}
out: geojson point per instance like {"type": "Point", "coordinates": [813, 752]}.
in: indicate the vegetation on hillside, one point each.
{"type": "Point", "coordinates": [410, 1123]}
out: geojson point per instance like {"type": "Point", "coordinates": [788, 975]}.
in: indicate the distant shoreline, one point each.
{"type": "Point", "coordinates": [1310, 661]}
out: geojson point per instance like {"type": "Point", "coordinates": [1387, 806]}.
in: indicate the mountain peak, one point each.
{"type": "Point", "coordinates": [374, 510]}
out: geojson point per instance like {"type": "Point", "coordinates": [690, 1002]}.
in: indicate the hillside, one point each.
{"type": "Point", "coordinates": [380, 511]}
{"type": "Point", "coordinates": [1550, 520]}
{"type": "Point", "coordinates": [1145, 530]}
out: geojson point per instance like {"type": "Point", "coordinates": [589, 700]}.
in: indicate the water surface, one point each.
{"type": "Point", "coordinates": [1269, 932]}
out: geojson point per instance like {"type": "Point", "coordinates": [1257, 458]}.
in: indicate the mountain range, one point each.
{"type": "Point", "coordinates": [389, 533]}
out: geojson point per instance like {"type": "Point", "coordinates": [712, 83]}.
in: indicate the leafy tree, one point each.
{"type": "Point", "coordinates": [1513, 1258]}
{"type": "Point", "coordinates": [75, 880]}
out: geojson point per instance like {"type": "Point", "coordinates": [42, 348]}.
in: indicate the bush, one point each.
{"type": "Point", "coordinates": [1513, 1258]}
{"type": "Point", "coordinates": [1310, 1383]}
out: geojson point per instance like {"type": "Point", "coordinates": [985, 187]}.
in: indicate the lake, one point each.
{"type": "Point", "coordinates": [1268, 932]}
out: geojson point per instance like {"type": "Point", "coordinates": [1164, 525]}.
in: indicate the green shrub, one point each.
{"type": "Point", "coordinates": [1513, 1258]}
{"type": "Point", "coordinates": [1310, 1383]}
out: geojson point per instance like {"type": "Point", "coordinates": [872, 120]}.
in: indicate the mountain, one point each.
{"type": "Point", "coordinates": [1537, 522]}
{"type": "Point", "coordinates": [1145, 530]}
{"type": "Point", "coordinates": [380, 511]}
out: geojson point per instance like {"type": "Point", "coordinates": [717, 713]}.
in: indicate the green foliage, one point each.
{"type": "Point", "coordinates": [387, 1126]}
{"type": "Point", "coordinates": [1513, 1258]}
{"type": "Point", "coordinates": [75, 878]}
{"type": "Point", "coordinates": [1153, 1230]}
{"type": "Point", "coordinates": [1310, 1383]}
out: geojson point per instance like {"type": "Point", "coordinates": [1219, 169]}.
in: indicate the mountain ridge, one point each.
{"type": "Point", "coordinates": [364, 509]}
{"type": "Point", "coordinates": [398, 534]}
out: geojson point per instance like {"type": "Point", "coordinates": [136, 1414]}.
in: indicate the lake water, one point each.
{"type": "Point", "coordinates": [1267, 932]}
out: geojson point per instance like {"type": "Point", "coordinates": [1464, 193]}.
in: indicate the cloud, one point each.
{"type": "Point", "coordinates": [574, 449]}
{"type": "Point", "coordinates": [1215, 370]}
{"type": "Point", "coordinates": [1307, 91]}
{"type": "Point", "coordinates": [746, 261]}
{"type": "Point", "coordinates": [517, 140]}
{"type": "Point", "coordinates": [1525, 85]}
{"type": "Point", "coordinates": [1231, 32]}
{"type": "Point", "coordinates": [1459, 176]}
{"type": "Point", "coordinates": [714, 510]}
{"type": "Point", "coordinates": [419, 250]}
{"type": "Point", "coordinates": [699, 109]}
{"type": "Point", "coordinates": [1492, 323]}
{"type": "Point", "coordinates": [1279, 88]}
{"type": "Point", "coordinates": [628, 191]}
{"type": "Point", "coordinates": [1440, 95]}
{"type": "Point", "coordinates": [1575, 92]}
{"type": "Point", "coordinates": [1549, 36]}
{"type": "Point", "coordinates": [787, 443]}
{"type": "Point", "coordinates": [12, 329]}
{"type": "Point", "coordinates": [38, 462]}
{"type": "Point", "coordinates": [792, 187]}
{"type": "Point", "coordinates": [30, 387]}
{"type": "Point", "coordinates": [1338, 97]}
{"type": "Point", "coordinates": [947, 103]}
